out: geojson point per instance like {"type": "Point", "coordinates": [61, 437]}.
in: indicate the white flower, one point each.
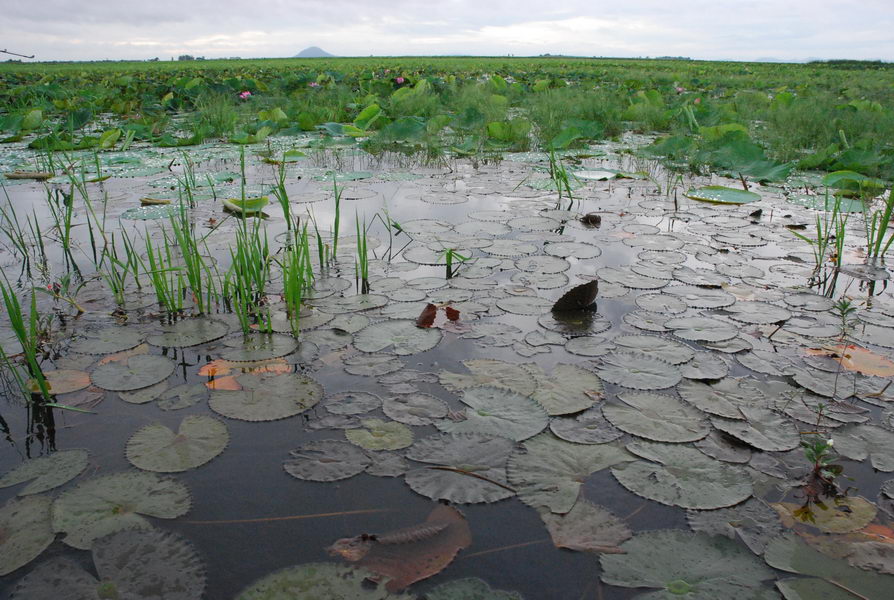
{"type": "Point", "coordinates": [830, 442]}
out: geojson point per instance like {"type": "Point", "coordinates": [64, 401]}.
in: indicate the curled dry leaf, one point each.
{"type": "Point", "coordinates": [857, 358]}
{"type": "Point", "coordinates": [410, 554]}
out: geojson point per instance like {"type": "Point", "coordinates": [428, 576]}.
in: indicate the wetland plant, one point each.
{"type": "Point", "coordinates": [450, 255]}
{"type": "Point", "coordinates": [361, 267]}
{"type": "Point", "coordinates": [297, 276]}
{"type": "Point", "coordinates": [29, 331]}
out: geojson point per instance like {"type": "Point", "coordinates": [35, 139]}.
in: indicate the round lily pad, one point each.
{"type": "Point", "coordinates": [469, 588]}
{"type": "Point", "coordinates": [663, 349]}
{"type": "Point", "coordinates": [680, 475]}
{"type": "Point", "coordinates": [182, 396]}
{"type": "Point", "coordinates": [589, 345]}
{"type": "Point", "coordinates": [542, 264]}
{"type": "Point", "coordinates": [463, 468]}
{"type": "Point", "coordinates": [723, 398]}
{"type": "Point", "coordinates": [127, 563]}
{"type": "Point", "coordinates": [115, 502]}
{"type": "Point", "coordinates": [656, 417]}
{"type": "Point", "coordinates": [638, 372]}
{"type": "Point", "coordinates": [65, 381]}
{"type": "Point", "coordinates": [575, 322]}
{"type": "Point", "coordinates": [549, 472]}
{"type": "Point", "coordinates": [197, 441]}
{"type": "Point", "coordinates": [705, 365]}
{"type": "Point", "coordinates": [352, 403]}
{"type": "Point", "coordinates": [589, 427]}
{"type": "Point", "coordinates": [258, 346]}
{"type": "Point", "coordinates": [718, 194]}
{"type": "Point", "coordinates": [701, 329]}
{"type": "Point", "coordinates": [761, 428]}
{"type": "Point", "coordinates": [138, 372]}
{"type": "Point", "coordinates": [580, 250]}
{"type": "Point", "coordinates": [317, 580]}
{"type": "Point", "coordinates": [189, 332]}
{"type": "Point", "coordinates": [586, 528]}
{"type": "Point", "coordinates": [415, 408]}
{"type": "Point", "coordinates": [47, 472]}
{"type": "Point", "coordinates": [372, 365]}
{"type": "Point", "coordinates": [752, 521]}
{"type": "Point", "coordinates": [524, 305]}
{"type": "Point", "coordinates": [566, 389]}
{"type": "Point", "coordinates": [326, 460]}
{"type": "Point", "coordinates": [695, 566]}
{"type": "Point", "coordinates": [267, 397]}
{"type": "Point", "coordinates": [697, 297]}
{"type": "Point", "coordinates": [400, 336]}
{"type": "Point", "coordinates": [757, 312]}
{"type": "Point", "coordinates": [150, 213]}
{"type": "Point", "coordinates": [497, 411]}
{"type": "Point", "coordinates": [495, 373]}
{"type": "Point", "coordinates": [25, 523]}
{"type": "Point", "coordinates": [376, 434]}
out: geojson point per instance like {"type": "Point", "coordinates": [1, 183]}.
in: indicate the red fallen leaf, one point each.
{"type": "Point", "coordinates": [227, 382]}
{"type": "Point", "coordinates": [451, 313]}
{"type": "Point", "coordinates": [219, 367]}
{"type": "Point", "coordinates": [125, 355]}
{"type": "Point", "coordinates": [411, 554]}
{"type": "Point", "coordinates": [427, 316]}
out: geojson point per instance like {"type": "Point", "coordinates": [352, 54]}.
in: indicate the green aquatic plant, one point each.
{"type": "Point", "coordinates": [450, 255]}
{"type": "Point", "coordinates": [29, 331]}
{"type": "Point", "coordinates": [361, 263]}
{"type": "Point", "coordinates": [297, 275]}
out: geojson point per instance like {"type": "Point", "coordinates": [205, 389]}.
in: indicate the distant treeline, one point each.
{"type": "Point", "coordinates": [846, 63]}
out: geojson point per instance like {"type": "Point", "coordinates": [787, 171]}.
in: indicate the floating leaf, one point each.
{"type": "Point", "coordinates": [465, 468]}
{"type": "Point", "coordinates": [189, 332]}
{"type": "Point", "coordinates": [723, 398]}
{"type": "Point", "coordinates": [680, 475]}
{"type": "Point", "coordinates": [567, 389]}
{"type": "Point", "coordinates": [352, 403]}
{"type": "Point", "coordinates": [469, 588]}
{"type": "Point", "coordinates": [128, 564]}
{"type": "Point", "coordinates": [65, 381]}
{"type": "Point", "coordinates": [589, 427]}
{"type": "Point", "coordinates": [524, 305]}
{"type": "Point", "coordinates": [762, 428]}
{"type": "Point", "coordinates": [115, 502]}
{"type": "Point", "coordinates": [326, 460]}
{"type": "Point", "coordinates": [649, 345]}
{"type": "Point", "coordinates": [267, 397]}
{"type": "Point", "coordinates": [752, 521]}
{"type": "Point", "coordinates": [856, 358]}
{"type": "Point", "coordinates": [182, 396]}
{"type": "Point", "coordinates": [718, 194]}
{"type": "Point", "coordinates": [705, 365]}
{"type": "Point", "coordinates": [638, 372]}
{"type": "Point", "coordinates": [410, 554]}
{"type": "Point", "coordinates": [858, 442]}
{"type": "Point", "coordinates": [197, 441]}
{"type": "Point", "coordinates": [489, 372]}
{"type": "Point", "coordinates": [400, 336]}
{"type": "Point", "coordinates": [587, 528]}
{"type": "Point", "coordinates": [47, 472]}
{"type": "Point", "coordinates": [579, 297]}
{"type": "Point", "coordinates": [549, 472]}
{"type": "Point", "coordinates": [656, 417]}
{"type": "Point", "coordinates": [138, 372]}
{"type": "Point", "coordinates": [701, 329]}
{"type": "Point", "coordinates": [258, 346]}
{"type": "Point", "coordinates": [245, 206]}
{"type": "Point", "coordinates": [497, 411]}
{"type": "Point", "coordinates": [376, 434]}
{"type": "Point", "coordinates": [845, 515]}
{"type": "Point", "coordinates": [690, 565]}
{"type": "Point", "coordinates": [25, 523]}
{"type": "Point", "coordinates": [415, 408]}
{"type": "Point", "coordinates": [317, 580]}
{"type": "Point", "coordinates": [371, 365]}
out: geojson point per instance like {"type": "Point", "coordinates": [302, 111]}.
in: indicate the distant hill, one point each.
{"type": "Point", "coordinates": [313, 52]}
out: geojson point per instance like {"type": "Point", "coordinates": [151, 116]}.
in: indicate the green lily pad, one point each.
{"type": "Point", "coordinates": [762, 428]}
{"type": "Point", "coordinates": [258, 346]}
{"type": "Point", "coordinates": [858, 442]}
{"type": "Point", "coordinates": [326, 460]}
{"type": "Point", "coordinates": [128, 563]}
{"type": "Point", "coordinates": [680, 475]}
{"type": "Point", "coordinates": [25, 523]}
{"type": "Point", "coordinates": [138, 372]}
{"type": "Point", "coordinates": [470, 588]}
{"type": "Point", "coordinates": [267, 397]}
{"type": "Point", "coordinates": [567, 389]}
{"type": "Point", "coordinates": [589, 427]}
{"type": "Point", "coordinates": [495, 373]}
{"type": "Point", "coordinates": [376, 434]}
{"type": "Point", "coordinates": [150, 213]}
{"type": "Point", "coordinates": [189, 332]}
{"type": "Point", "coordinates": [47, 472]}
{"type": "Point", "coordinates": [415, 408]}
{"type": "Point", "coordinates": [146, 394]}
{"type": "Point", "coordinates": [656, 417]}
{"type": "Point", "coordinates": [318, 580]}
{"type": "Point", "coordinates": [463, 468]}
{"type": "Point", "coordinates": [663, 349]}
{"type": "Point", "coordinates": [107, 341]}
{"type": "Point", "coordinates": [182, 396]}
{"type": "Point", "coordinates": [399, 336]}
{"type": "Point", "coordinates": [638, 372]}
{"type": "Point", "coordinates": [826, 576]}
{"type": "Point", "coordinates": [718, 194]}
{"type": "Point", "coordinates": [116, 502]}
{"type": "Point", "coordinates": [497, 411]}
{"type": "Point", "coordinates": [248, 206]}
{"type": "Point", "coordinates": [372, 365]}
{"type": "Point", "coordinates": [705, 365]}
{"type": "Point", "coordinates": [701, 329]}
{"type": "Point", "coordinates": [550, 472]}
{"type": "Point", "coordinates": [197, 441]}
{"type": "Point", "coordinates": [723, 398]}
{"type": "Point", "coordinates": [352, 403]}
{"type": "Point", "coordinates": [689, 565]}
{"type": "Point", "coordinates": [752, 521]}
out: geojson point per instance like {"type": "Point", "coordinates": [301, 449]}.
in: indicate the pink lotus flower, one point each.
{"type": "Point", "coordinates": [245, 95]}
{"type": "Point", "coordinates": [698, 101]}
{"type": "Point", "coordinates": [399, 80]}
{"type": "Point", "coordinates": [680, 90]}
{"type": "Point", "coordinates": [313, 84]}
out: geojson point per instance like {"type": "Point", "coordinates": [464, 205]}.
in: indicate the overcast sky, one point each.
{"type": "Point", "coordinates": [707, 29]}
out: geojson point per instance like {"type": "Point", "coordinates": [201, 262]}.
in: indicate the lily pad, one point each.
{"type": "Point", "coordinates": [589, 427]}
{"type": "Point", "coordinates": [752, 521]}
{"type": "Point", "coordinates": [470, 588]}
{"type": "Point", "coordinates": [399, 336]}
{"type": "Point", "coordinates": [566, 389]}
{"type": "Point", "coordinates": [47, 472]}
{"type": "Point", "coordinates": [762, 428]}
{"type": "Point", "coordinates": [150, 213]}
{"type": "Point", "coordinates": [25, 523]}
{"type": "Point", "coordinates": [689, 565]}
{"type": "Point", "coordinates": [705, 365]}
{"type": "Point", "coordinates": [352, 403]}
{"type": "Point", "coordinates": [858, 442]}
{"type": "Point", "coordinates": [701, 329]}
{"type": "Point", "coordinates": [656, 417]}
{"type": "Point", "coordinates": [718, 194]}
{"type": "Point", "coordinates": [723, 398]}
{"type": "Point", "coordinates": [587, 528]}
{"type": "Point", "coordinates": [115, 502]}
{"type": "Point", "coordinates": [663, 349]}
{"type": "Point", "coordinates": [549, 472]}
{"type": "Point", "coordinates": [197, 441]}
{"type": "Point", "coordinates": [128, 563]}
{"type": "Point", "coordinates": [638, 372]}
{"type": "Point", "coordinates": [489, 372]}
{"type": "Point", "coordinates": [376, 434]}
{"type": "Point", "coordinates": [326, 460]}
{"type": "Point", "coordinates": [182, 396]}
{"type": "Point", "coordinates": [258, 346]}
{"type": "Point", "coordinates": [138, 372]}
{"type": "Point", "coordinates": [680, 475]}
{"type": "Point", "coordinates": [415, 408]}
{"type": "Point", "coordinates": [465, 468]}
{"type": "Point", "coordinates": [318, 580]}
{"type": "Point", "coordinates": [372, 365]}
{"type": "Point", "coordinates": [497, 411]}
{"type": "Point", "coordinates": [189, 332]}
{"type": "Point", "coordinates": [267, 397]}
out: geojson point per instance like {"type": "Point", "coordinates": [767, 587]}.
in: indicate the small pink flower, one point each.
{"type": "Point", "coordinates": [313, 84]}
{"type": "Point", "coordinates": [698, 101]}
{"type": "Point", "coordinates": [399, 80]}
{"type": "Point", "coordinates": [245, 95]}
{"type": "Point", "coordinates": [50, 287]}
{"type": "Point", "coordinates": [680, 90]}
{"type": "Point", "coordinates": [387, 70]}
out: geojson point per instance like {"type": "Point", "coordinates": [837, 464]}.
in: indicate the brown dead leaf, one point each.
{"type": "Point", "coordinates": [125, 355]}
{"type": "Point", "coordinates": [64, 381]}
{"type": "Point", "coordinates": [411, 554]}
{"type": "Point", "coordinates": [220, 367]}
{"type": "Point", "coordinates": [427, 317]}
{"type": "Point", "coordinates": [227, 382]}
{"type": "Point", "coordinates": [857, 358]}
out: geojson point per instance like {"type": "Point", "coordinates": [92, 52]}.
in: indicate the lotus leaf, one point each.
{"type": "Point", "coordinates": [258, 346]}
{"type": "Point", "coordinates": [752, 521]}
{"type": "Point", "coordinates": [489, 372]}
{"type": "Point", "coordinates": [723, 398]}
{"type": "Point", "coordinates": [376, 434]}
{"type": "Point", "coordinates": [701, 329]}
{"type": "Point", "coordinates": [589, 427]}
{"type": "Point", "coordinates": [497, 411]}
{"type": "Point", "coordinates": [762, 428]}
{"type": "Point", "coordinates": [639, 372]}
{"type": "Point", "coordinates": [189, 332]}
{"type": "Point", "coordinates": [859, 441]}
{"type": "Point", "coordinates": [656, 417]}
{"type": "Point", "coordinates": [400, 337]}
{"type": "Point", "coordinates": [47, 472]}
{"type": "Point", "coordinates": [718, 194]}
{"type": "Point", "coordinates": [649, 345]}
{"type": "Point", "coordinates": [415, 408]}
{"type": "Point", "coordinates": [318, 580]}
{"type": "Point", "coordinates": [157, 448]}
{"type": "Point", "coordinates": [25, 523]}
{"type": "Point", "coordinates": [352, 403]}
{"type": "Point", "coordinates": [138, 372]}
{"type": "Point", "coordinates": [587, 528]}
{"type": "Point", "coordinates": [267, 397]}
{"type": "Point", "coordinates": [326, 460]}
{"type": "Point", "coordinates": [567, 389]}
